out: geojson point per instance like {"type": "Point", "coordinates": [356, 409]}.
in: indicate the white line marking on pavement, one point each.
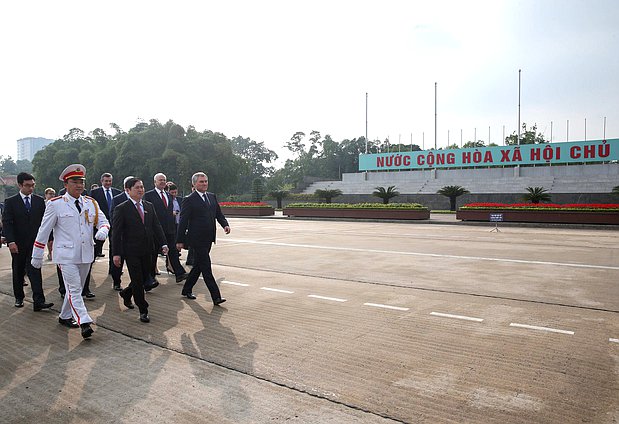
{"type": "Point", "coordinates": [276, 290]}
{"type": "Point", "coordinates": [335, 299]}
{"type": "Point", "coordinates": [432, 255]}
{"type": "Point", "coordinates": [613, 340]}
{"type": "Point", "coordinates": [233, 283]}
{"type": "Point", "coordinates": [378, 305]}
{"type": "Point", "coordinates": [534, 327]}
{"type": "Point", "coordinates": [439, 314]}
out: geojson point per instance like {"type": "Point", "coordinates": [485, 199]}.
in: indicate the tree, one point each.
{"type": "Point", "coordinates": [387, 194]}
{"type": "Point", "coordinates": [470, 144]}
{"type": "Point", "coordinates": [280, 193]}
{"type": "Point", "coordinates": [257, 190]}
{"type": "Point", "coordinates": [536, 195]}
{"type": "Point", "coordinates": [453, 192]}
{"type": "Point", "coordinates": [328, 194]}
{"type": "Point", "coordinates": [615, 191]}
{"type": "Point", "coordinates": [529, 136]}
{"type": "Point", "coordinates": [8, 166]}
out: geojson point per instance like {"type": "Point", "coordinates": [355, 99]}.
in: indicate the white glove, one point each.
{"type": "Point", "coordinates": [101, 234]}
{"type": "Point", "coordinates": [37, 262]}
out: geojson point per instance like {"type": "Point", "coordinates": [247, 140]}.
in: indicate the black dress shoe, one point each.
{"type": "Point", "coordinates": [41, 306]}
{"type": "Point", "coordinates": [19, 303]}
{"type": "Point", "coordinates": [219, 301]}
{"type": "Point", "coordinates": [100, 255]}
{"type": "Point", "coordinates": [87, 330]}
{"type": "Point", "coordinates": [152, 286]}
{"type": "Point", "coordinates": [182, 277]}
{"type": "Point", "coordinates": [117, 287]}
{"type": "Point", "coordinates": [68, 322]}
{"type": "Point", "coordinates": [144, 317]}
{"type": "Point", "coordinates": [24, 284]}
{"type": "Point", "coordinates": [189, 295]}
{"type": "Point", "coordinates": [126, 300]}
{"type": "Point", "coordinates": [88, 295]}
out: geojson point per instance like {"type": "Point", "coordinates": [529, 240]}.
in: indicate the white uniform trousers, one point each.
{"type": "Point", "coordinates": [74, 276]}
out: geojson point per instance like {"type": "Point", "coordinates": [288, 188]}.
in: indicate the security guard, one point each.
{"type": "Point", "coordinates": [72, 218]}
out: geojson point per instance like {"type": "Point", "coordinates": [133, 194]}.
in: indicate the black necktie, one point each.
{"type": "Point", "coordinates": [77, 205]}
{"type": "Point", "coordinates": [27, 203]}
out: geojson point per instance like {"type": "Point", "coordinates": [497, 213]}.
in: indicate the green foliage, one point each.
{"type": "Point", "coordinates": [280, 193]}
{"type": "Point", "coordinates": [536, 195]}
{"type": "Point", "coordinates": [526, 136]}
{"type": "Point", "coordinates": [452, 192]}
{"type": "Point", "coordinates": [386, 194]}
{"type": "Point", "coordinates": [144, 150]}
{"type": "Point", "coordinates": [257, 190]}
{"type": "Point", "coordinates": [470, 144]}
{"type": "Point", "coordinates": [328, 194]}
{"type": "Point", "coordinates": [357, 205]}
{"type": "Point", "coordinates": [615, 191]}
{"type": "Point", "coordinates": [255, 157]}
{"type": "Point", "coordinates": [10, 167]}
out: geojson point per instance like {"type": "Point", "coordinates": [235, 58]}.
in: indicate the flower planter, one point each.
{"type": "Point", "coordinates": [364, 213]}
{"type": "Point", "coordinates": [254, 211]}
{"type": "Point", "coordinates": [560, 217]}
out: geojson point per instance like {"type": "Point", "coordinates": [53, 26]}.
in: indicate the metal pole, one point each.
{"type": "Point", "coordinates": [568, 131]}
{"type": "Point", "coordinates": [585, 129]}
{"type": "Point", "coordinates": [447, 137]}
{"type": "Point", "coordinates": [423, 141]}
{"type": "Point", "coordinates": [488, 135]}
{"type": "Point", "coordinates": [366, 123]}
{"type": "Point", "coordinates": [504, 142]}
{"type": "Point", "coordinates": [475, 136]}
{"type": "Point", "coordinates": [551, 131]}
{"type": "Point", "coordinates": [519, 72]}
{"type": "Point", "coordinates": [460, 137]}
{"type": "Point", "coordinates": [435, 115]}
{"type": "Point", "coordinates": [411, 142]}
{"type": "Point", "coordinates": [604, 128]}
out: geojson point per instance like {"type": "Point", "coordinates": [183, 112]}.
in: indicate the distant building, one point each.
{"type": "Point", "coordinates": [27, 147]}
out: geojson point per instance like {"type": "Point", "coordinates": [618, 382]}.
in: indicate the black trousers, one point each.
{"type": "Point", "coordinates": [20, 264]}
{"type": "Point", "coordinates": [173, 258]}
{"type": "Point", "coordinates": [139, 270]}
{"type": "Point", "coordinates": [202, 265]}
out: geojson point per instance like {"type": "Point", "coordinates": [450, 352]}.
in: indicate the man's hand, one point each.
{"type": "Point", "coordinates": [180, 246]}
{"type": "Point", "coordinates": [227, 229]}
{"type": "Point", "coordinates": [37, 262]}
{"type": "Point", "coordinates": [101, 235]}
{"type": "Point", "coordinates": [165, 250]}
{"type": "Point", "coordinates": [116, 260]}
{"type": "Point", "coordinates": [13, 248]}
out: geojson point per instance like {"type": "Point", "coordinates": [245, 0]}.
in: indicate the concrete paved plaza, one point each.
{"type": "Point", "coordinates": [338, 322]}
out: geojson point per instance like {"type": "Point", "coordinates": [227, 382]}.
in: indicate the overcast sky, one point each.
{"type": "Point", "coordinates": [266, 69]}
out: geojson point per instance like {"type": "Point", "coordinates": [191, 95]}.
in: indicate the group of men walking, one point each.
{"type": "Point", "coordinates": [140, 225]}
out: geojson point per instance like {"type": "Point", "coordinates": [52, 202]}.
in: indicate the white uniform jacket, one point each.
{"type": "Point", "coordinates": [73, 230]}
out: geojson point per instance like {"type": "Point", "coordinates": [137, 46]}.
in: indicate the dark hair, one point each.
{"type": "Point", "coordinates": [105, 175]}
{"type": "Point", "coordinates": [172, 187]}
{"type": "Point", "coordinates": [131, 182]}
{"type": "Point", "coordinates": [24, 176]}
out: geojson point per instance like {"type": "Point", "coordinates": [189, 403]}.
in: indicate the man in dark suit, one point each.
{"type": "Point", "coordinates": [197, 228]}
{"type": "Point", "coordinates": [163, 204]}
{"type": "Point", "coordinates": [104, 196]}
{"type": "Point", "coordinates": [136, 233]}
{"type": "Point", "coordinates": [21, 220]}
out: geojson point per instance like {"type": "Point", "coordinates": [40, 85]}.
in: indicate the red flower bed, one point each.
{"type": "Point", "coordinates": [538, 206]}
{"type": "Point", "coordinates": [244, 204]}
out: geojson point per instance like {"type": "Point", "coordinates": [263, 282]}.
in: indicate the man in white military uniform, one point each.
{"type": "Point", "coordinates": [72, 218]}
